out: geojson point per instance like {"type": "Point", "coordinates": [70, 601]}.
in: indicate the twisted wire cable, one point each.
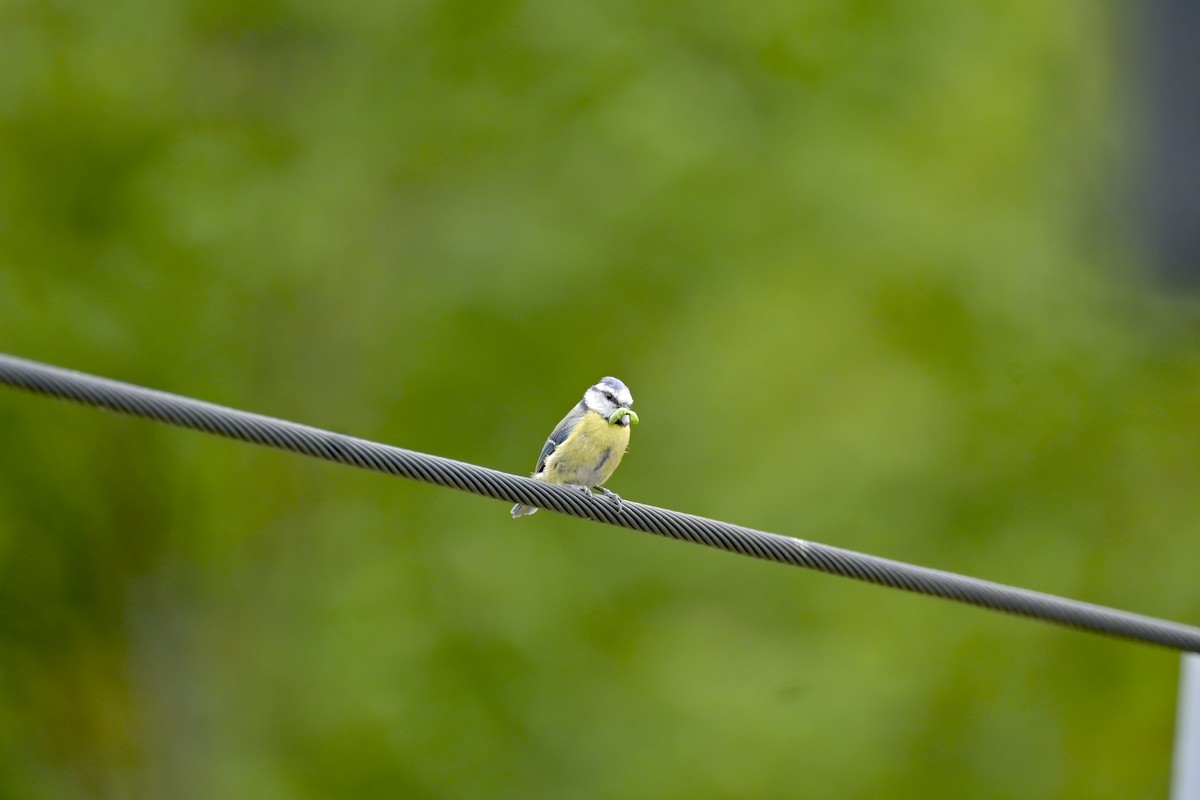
{"type": "Point", "coordinates": [188, 413]}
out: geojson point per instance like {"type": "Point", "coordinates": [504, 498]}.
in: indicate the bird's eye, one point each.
{"type": "Point", "coordinates": [611, 397]}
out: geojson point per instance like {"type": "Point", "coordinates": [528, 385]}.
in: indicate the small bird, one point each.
{"type": "Point", "coordinates": [589, 443]}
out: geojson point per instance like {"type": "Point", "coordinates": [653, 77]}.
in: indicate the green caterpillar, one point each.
{"type": "Point", "coordinates": [623, 412]}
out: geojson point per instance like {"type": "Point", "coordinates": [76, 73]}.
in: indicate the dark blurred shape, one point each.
{"type": "Point", "coordinates": [1171, 49]}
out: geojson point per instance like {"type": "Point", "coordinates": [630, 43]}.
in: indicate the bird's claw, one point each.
{"type": "Point", "coordinates": [607, 493]}
{"type": "Point", "coordinates": [611, 495]}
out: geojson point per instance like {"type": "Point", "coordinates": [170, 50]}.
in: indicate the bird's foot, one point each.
{"type": "Point", "coordinates": [611, 495]}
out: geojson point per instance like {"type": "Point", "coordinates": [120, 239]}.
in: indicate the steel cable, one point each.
{"type": "Point", "coordinates": [188, 413]}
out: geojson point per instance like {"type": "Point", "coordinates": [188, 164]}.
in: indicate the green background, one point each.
{"type": "Point", "coordinates": [866, 268]}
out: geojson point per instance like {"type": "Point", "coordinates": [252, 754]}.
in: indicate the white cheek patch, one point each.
{"type": "Point", "coordinates": [596, 398]}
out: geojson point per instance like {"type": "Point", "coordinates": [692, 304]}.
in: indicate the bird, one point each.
{"type": "Point", "coordinates": [586, 447]}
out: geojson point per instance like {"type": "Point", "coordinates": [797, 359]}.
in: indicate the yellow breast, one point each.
{"type": "Point", "coordinates": [589, 455]}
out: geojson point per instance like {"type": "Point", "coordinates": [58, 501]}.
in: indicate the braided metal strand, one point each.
{"type": "Point", "coordinates": [257, 429]}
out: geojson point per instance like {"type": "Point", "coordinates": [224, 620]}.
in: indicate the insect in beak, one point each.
{"type": "Point", "coordinates": [623, 416]}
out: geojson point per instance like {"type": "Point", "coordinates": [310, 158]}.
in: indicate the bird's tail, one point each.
{"type": "Point", "coordinates": [520, 510]}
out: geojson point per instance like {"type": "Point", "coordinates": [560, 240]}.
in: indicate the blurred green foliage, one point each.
{"type": "Point", "coordinates": [859, 263]}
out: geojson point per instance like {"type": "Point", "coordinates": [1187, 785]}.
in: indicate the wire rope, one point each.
{"type": "Point", "coordinates": [186, 412]}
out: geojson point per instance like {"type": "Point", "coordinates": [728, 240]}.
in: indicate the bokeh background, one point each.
{"type": "Point", "coordinates": [874, 272]}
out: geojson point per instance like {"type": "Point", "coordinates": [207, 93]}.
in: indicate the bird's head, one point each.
{"type": "Point", "coordinates": [611, 399]}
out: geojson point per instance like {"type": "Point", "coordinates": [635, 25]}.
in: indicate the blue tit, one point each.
{"type": "Point", "coordinates": [589, 443]}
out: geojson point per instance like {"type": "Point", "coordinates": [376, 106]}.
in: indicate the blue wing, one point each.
{"type": "Point", "coordinates": [560, 434]}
